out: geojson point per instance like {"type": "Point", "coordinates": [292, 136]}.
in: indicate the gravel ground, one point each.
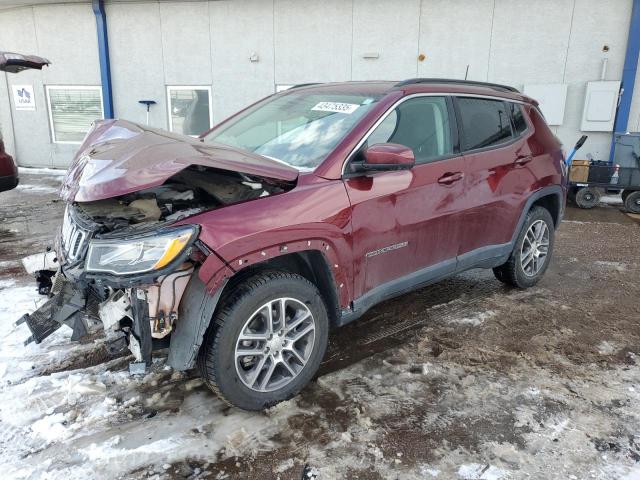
{"type": "Point", "coordinates": [464, 379]}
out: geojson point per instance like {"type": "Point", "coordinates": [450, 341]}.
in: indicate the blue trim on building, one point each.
{"type": "Point", "coordinates": [103, 52]}
{"type": "Point", "coordinates": [628, 76]}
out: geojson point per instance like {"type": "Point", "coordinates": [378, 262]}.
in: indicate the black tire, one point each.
{"type": "Point", "coordinates": [216, 360]}
{"type": "Point", "coordinates": [632, 202]}
{"type": "Point", "coordinates": [625, 194]}
{"type": "Point", "coordinates": [587, 197]}
{"type": "Point", "coordinates": [511, 272]}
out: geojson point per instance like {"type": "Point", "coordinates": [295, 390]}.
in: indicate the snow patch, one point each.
{"type": "Point", "coordinates": [284, 466]}
{"type": "Point", "coordinates": [474, 321]}
{"type": "Point", "coordinates": [37, 188]}
{"type": "Point", "coordinates": [476, 471]}
{"type": "Point", "coordinates": [619, 266]}
{"type": "Point", "coordinates": [56, 172]}
{"type": "Point", "coordinates": [607, 348]}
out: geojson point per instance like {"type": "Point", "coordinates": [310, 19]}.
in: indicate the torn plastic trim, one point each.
{"type": "Point", "coordinates": [65, 308]}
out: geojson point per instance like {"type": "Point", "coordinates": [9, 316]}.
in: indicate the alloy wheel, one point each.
{"type": "Point", "coordinates": [275, 344]}
{"type": "Point", "coordinates": [535, 248]}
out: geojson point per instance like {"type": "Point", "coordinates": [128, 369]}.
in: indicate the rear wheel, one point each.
{"type": "Point", "coordinates": [532, 251]}
{"type": "Point", "coordinates": [632, 202]}
{"type": "Point", "coordinates": [266, 342]}
{"type": "Point", "coordinates": [587, 197]}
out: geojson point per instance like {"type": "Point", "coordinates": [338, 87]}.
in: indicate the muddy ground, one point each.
{"type": "Point", "coordinates": [464, 379]}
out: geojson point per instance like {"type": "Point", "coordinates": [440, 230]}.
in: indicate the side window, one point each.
{"type": "Point", "coordinates": [422, 124]}
{"type": "Point", "coordinates": [517, 115]}
{"type": "Point", "coordinates": [484, 122]}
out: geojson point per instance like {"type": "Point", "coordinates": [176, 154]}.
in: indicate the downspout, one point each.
{"type": "Point", "coordinates": [103, 52]}
{"type": "Point", "coordinates": [628, 76]}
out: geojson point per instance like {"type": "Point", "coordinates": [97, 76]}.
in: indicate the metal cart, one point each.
{"type": "Point", "coordinates": [588, 180]}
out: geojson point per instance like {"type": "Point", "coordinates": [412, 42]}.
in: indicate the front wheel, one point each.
{"type": "Point", "coordinates": [266, 342]}
{"type": "Point", "coordinates": [532, 251]}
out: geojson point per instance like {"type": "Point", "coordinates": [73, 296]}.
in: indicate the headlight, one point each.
{"type": "Point", "coordinates": [138, 254]}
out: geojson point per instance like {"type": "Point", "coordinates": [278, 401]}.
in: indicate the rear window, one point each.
{"type": "Point", "coordinates": [484, 122]}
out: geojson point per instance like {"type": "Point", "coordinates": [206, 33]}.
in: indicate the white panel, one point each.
{"type": "Point", "coordinates": [454, 34]}
{"type": "Point", "coordinates": [73, 52]}
{"type": "Point", "coordinates": [552, 98]}
{"type": "Point", "coordinates": [240, 30]}
{"type": "Point", "coordinates": [137, 71]}
{"type": "Point", "coordinates": [529, 41]}
{"type": "Point", "coordinates": [390, 31]}
{"type": "Point", "coordinates": [186, 51]}
{"type": "Point", "coordinates": [313, 41]}
{"type": "Point", "coordinates": [600, 104]}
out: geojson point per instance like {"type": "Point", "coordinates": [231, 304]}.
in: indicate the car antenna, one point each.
{"type": "Point", "coordinates": [466, 72]}
{"type": "Point", "coordinates": [148, 103]}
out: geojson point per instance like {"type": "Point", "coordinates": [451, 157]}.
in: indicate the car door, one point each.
{"type": "Point", "coordinates": [496, 165]}
{"type": "Point", "coordinates": [406, 223]}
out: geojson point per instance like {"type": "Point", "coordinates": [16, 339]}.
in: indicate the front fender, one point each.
{"type": "Point", "coordinates": [217, 269]}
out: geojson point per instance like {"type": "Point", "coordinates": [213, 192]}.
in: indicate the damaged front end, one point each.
{"type": "Point", "coordinates": [127, 264]}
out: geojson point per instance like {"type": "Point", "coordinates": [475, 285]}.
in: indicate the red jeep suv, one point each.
{"type": "Point", "coordinates": [239, 250]}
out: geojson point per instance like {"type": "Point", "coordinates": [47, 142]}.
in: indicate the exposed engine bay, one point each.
{"type": "Point", "coordinates": [121, 265]}
{"type": "Point", "coordinates": [193, 190]}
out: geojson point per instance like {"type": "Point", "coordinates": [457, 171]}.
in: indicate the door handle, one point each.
{"type": "Point", "coordinates": [523, 159]}
{"type": "Point", "coordinates": [449, 178]}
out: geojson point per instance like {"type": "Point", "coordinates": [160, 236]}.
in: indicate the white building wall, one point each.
{"type": "Point", "coordinates": [155, 44]}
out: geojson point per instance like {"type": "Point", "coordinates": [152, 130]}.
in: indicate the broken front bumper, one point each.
{"type": "Point", "coordinates": [137, 313]}
{"type": "Point", "coordinates": [67, 307]}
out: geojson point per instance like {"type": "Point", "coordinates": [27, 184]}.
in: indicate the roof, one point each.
{"type": "Point", "coordinates": [418, 85]}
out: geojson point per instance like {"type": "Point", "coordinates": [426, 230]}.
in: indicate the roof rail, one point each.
{"type": "Point", "coordinates": [495, 86]}
{"type": "Point", "coordinates": [303, 85]}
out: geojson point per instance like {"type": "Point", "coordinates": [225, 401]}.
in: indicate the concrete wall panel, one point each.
{"type": "Point", "coordinates": [454, 34]}
{"type": "Point", "coordinates": [155, 44]}
{"type": "Point", "coordinates": [389, 29]}
{"type": "Point", "coordinates": [529, 41]}
{"type": "Point", "coordinates": [31, 128]}
{"type": "Point", "coordinates": [312, 41]}
{"type": "Point", "coordinates": [239, 29]}
{"type": "Point", "coordinates": [137, 70]}
{"type": "Point", "coordinates": [186, 50]}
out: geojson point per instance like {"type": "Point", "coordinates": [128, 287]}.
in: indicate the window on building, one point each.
{"type": "Point", "coordinates": [189, 110]}
{"type": "Point", "coordinates": [484, 122]}
{"type": "Point", "coordinates": [72, 110]}
{"type": "Point", "coordinates": [421, 124]}
{"type": "Point", "coordinates": [519, 123]}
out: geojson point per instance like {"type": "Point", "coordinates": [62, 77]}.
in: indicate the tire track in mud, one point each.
{"type": "Point", "coordinates": [391, 323]}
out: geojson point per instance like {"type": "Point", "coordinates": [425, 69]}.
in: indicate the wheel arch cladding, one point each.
{"type": "Point", "coordinates": [553, 203]}
{"type": "Point", "coordinates": [554, 191]}
{"type": "Point", "coordinates": [194, 316]}
{"type": "Point", "coordinates": [314, 265]}
{"type": "Point", "coordinates": [318, 258]}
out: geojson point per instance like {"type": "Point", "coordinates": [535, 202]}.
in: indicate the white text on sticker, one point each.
{"type": "Point", "coordinates": [336, 107]}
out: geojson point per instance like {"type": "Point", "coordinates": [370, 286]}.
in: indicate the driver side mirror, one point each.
{"type": "Point", "coordinates": [386, 157]}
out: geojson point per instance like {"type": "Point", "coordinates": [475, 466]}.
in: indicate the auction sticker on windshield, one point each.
{"type": "Point", "coordinates": [336, 107]}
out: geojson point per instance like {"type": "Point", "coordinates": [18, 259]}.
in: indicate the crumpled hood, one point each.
{"type": "Point", "coordinates": [119, 157]}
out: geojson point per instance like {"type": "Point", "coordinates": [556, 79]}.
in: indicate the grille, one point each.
{"type": "Point", "coordinates": [73, 238]}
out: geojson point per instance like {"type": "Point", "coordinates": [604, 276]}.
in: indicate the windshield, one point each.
{"type": "Point", "coordinates": [299, 128]}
